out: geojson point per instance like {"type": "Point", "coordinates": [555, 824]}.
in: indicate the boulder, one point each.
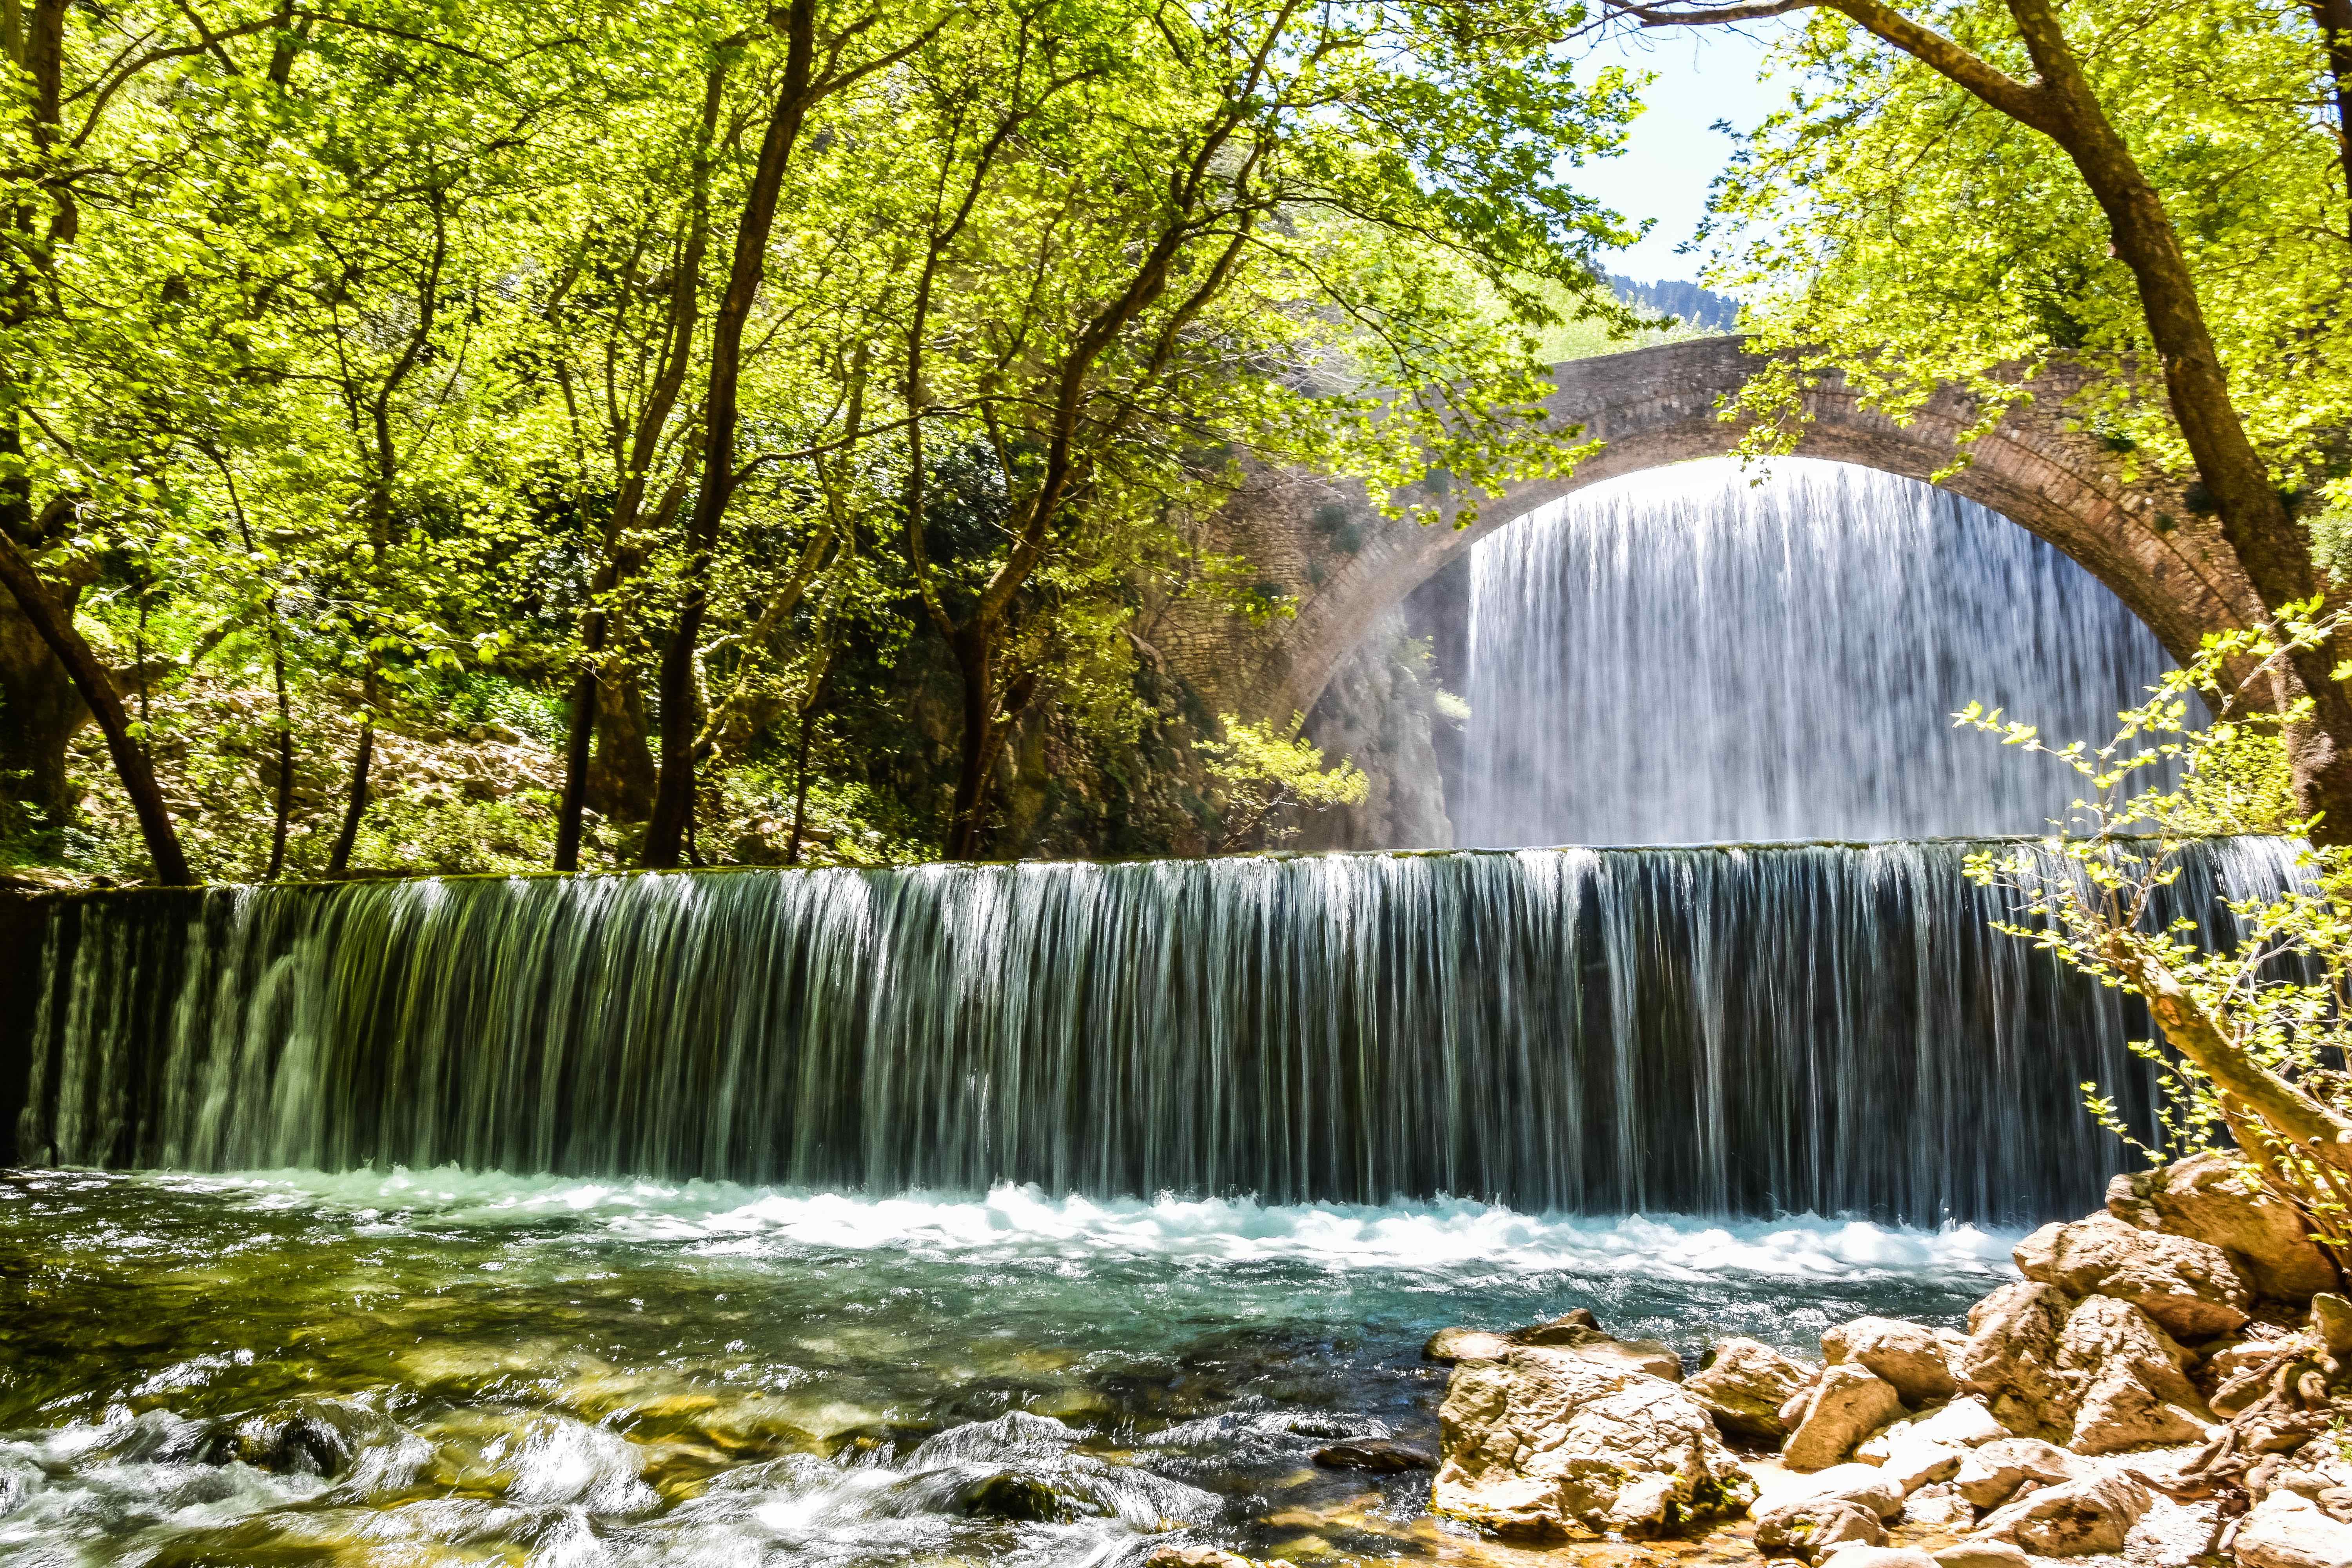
{"type": "Point", "coordinates": [2190, 1286]}
{"type": "Point", "coordinates": [2012, 1358]}
{"type": "Point", "coordinates": [1810, 1527]}
{"type": "Point", "coordinates": [1880, 1557]}
{"type": "Point", "coordinates": [1575, 1332]}
{"type": "Point", "coordinates": [1987, 1475]}
{"type": "Point", "coordinates": [1978, 1554]}
{"type": "Point", "coordinates": [1938, 1507]}
{"type": "Point", "coordinates": [2288, 1530]}
{"type": "Point", "coordinates": [1912, 1464]}
{"type": "Point", "coordinates": [1848, 1404]}
{"type": "Point", "coordinates": [1962, 1424]}
{"type": "Point", "coordinates": [2213, 1199]}
{"type": "Point", "coordinates": [1744, 1384]}
{"type": "Point", "coordinates": [1904, 1354]}
{"type": "Point", "coordinates": [1865, 1485]}
{"type": "Point", "coordinates": [2331, 1319]}
{"type": "Point", "coordinates": [2135, 1387]}
{"type": "Point", "coordinates": [1549, 1442]}
{"type": "Point", "coordinates": [1451, 1346]}
{"type": "Point", "coordinates": [2073, 1519]}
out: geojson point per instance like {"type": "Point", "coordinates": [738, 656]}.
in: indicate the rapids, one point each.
{"type": "Point", "coordinates": [459, 1367]}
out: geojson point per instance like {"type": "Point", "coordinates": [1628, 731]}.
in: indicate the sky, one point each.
{"type": "Point", "coordinates": [1705, 74]}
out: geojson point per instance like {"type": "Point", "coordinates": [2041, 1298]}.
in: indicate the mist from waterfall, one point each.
{"type": "Point", "coordinates": [1684, 657]}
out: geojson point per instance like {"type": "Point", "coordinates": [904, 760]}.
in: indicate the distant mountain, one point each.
{"type": "Point", "coordinates": [1699, 307]}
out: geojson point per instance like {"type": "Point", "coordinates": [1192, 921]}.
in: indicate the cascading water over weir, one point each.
{"type": "Point", "coordinates": [1820, 1028]}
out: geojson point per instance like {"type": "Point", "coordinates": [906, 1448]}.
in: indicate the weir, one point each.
{"type": "Point", "coordinates": [1824, 1028]}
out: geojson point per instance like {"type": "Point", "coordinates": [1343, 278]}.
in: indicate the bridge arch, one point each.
{"type": "Point", "coordinates": [1658, 406]}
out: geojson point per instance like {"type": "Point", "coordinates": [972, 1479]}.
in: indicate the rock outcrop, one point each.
{"type": "Point", "coordinates": [2188, 1286]}
{"type": "Point", "coordinates": [1550, 1442]}
{"type": "Point", "coordinates": [1744, 1386]}
{"type": "Point", "coordinates": [2096, 1373]}
{"type": "Point", "coordinates": [2134, 1381]}
{"type": "Point", "coordinates": [2212, 1199]}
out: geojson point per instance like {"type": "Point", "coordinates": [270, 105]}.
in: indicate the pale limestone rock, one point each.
{"type": "Point", "coordinates": [2012, 1358]}
{"type": "Point", "coordinates": [2288, 1530]}
{"type": "Point", "coordinates": [1987, 1473]}
{"type": "Point", "coordinates": [1844, 1556]}
{"type": "Point", "coordinates": [1848, 1404]}
{"type": "Point", "coordinates": [2190, 1286]}
{"type": "Point", "coordinates": [1979, 1554]}
{"type": "Point", "coordinates": [2210, 1199]}
{"type": "Point", "coordinates": [1810, 1527]}
{"type": "Point", "coordinates": [1745, 1384]}
{"type": "Point", "coordinates": [2135, 1390]}
{"type": "Point", "coordinates": [1867, 1485]}
{"type": "Point", "coordinates": [1549, 1442]}
{"type": "Point", "coordinates": [2073, 1519]}
{"type": "Point", "coordinates": [1962, 1424]}
{"type": "Point", "coordinates": [1452, 1346]}
{"type": "Point", "coordinates": [1904, 1354]}
{"type": "Point", "coordinates": [1913, 1463]}
{"type": "Point", "coordinates": [1938, 1507]}
{"type": "Point", "coordinates": [2331, 1319]}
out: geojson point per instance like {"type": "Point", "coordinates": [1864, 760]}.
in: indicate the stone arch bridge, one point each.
{"type": "Point", "coordinates": [1319, 542]}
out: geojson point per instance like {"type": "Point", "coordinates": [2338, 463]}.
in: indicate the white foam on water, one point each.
{"type": "Point", "coordinates": [1443, 1234]}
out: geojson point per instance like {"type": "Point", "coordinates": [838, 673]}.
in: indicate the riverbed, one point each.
{"type": "Point", "coordinates": [441, 1367]}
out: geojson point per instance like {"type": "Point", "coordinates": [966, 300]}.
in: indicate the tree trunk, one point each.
{"type": "Point", "coordinates": [53, 622]}
{"type": "Point", "coordinates": [284, 815]}
{"type": "Point", "coordinates": [355, 806]}
{"type": "Point", "coordinates": [621, 779]}
{"type": "Point", "coordinates": [975, 661]}
{"type": "Point", "coordinates": [2270, 545]}
{"type": "Point", "coordinates": [40, 713]}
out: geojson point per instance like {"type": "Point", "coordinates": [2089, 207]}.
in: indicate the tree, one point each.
{"type": "Point", "coordinates": [2154, 191]}
{"type": "Point", "coordinates": [2254, 1034]}
{"type": "Point", "coordinates": [1264, 774]}
{"type": "Point", "coordinates": [1152, 244]}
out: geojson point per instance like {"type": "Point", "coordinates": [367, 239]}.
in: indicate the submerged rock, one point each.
{"type": "Point", "coordinates": [1549, 1443]}
{"type": "Point", "coordinates": [1028, 1500]}
{"type": "Point", "coordinates": [1846, 1406]}
{"type": "Point", "coordinates": [2210, 1198]}
{"type": "Point", "coordinates": [1744, 1384]}
{"type": "Point", "coordinates": [1381, 1455]}
{"type": "Point", "coordinates": [2190, 1286]}
{"type": "Point", "coordinates": [1907, 1355]}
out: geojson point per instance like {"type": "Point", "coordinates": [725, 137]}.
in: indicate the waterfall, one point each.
{"type": "Point", "coordinates": [1683, 657]}
{"type": "Point", "coordinates": [1824, 1028]}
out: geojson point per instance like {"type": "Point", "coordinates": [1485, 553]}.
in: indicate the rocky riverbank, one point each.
{"type": "Point", "coordinates": [2171, 1380]}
